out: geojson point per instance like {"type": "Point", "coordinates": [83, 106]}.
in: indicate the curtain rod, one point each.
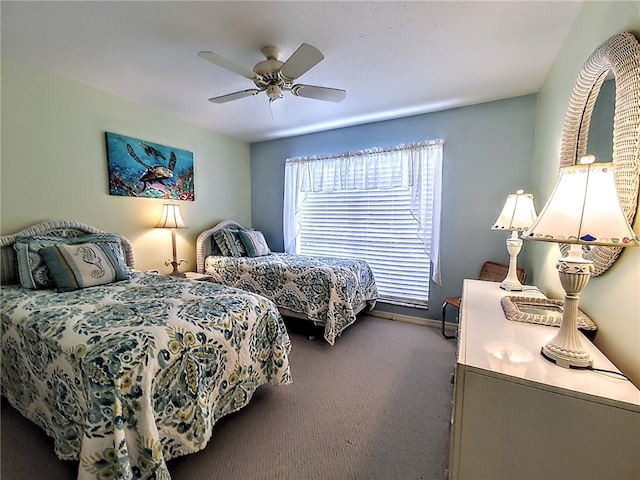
{"type": "Point", "coordinates": [368, 151]}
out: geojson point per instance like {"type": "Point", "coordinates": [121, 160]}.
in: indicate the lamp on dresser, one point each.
{"type": "Point", "coordinates": [172, 218]}
{"type": "Point", "coordinates": [517, 216]}
{"type": "Point", "coordinates": [583, 210]}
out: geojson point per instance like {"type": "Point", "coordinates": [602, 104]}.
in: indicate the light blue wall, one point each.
{"type": "Point", "coordinates": [611, 300]}
{"type": "Point", "coordinates": [487, 154]}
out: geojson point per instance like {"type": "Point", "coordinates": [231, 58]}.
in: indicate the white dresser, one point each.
{"type": "Point", "coordinates": [519, 416]}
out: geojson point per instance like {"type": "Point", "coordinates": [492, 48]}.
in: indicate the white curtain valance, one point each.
{"type": "Point", "coordinates": [371, 169]}
{"type": "Point", "coordinates": [417, 166]}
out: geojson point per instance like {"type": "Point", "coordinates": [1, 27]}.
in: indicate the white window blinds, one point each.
{"type": "Point", "coordinates": [380, 205]}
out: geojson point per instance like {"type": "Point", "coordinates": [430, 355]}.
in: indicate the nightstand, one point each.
{"type": "Point", "coordinates": [201, 277]}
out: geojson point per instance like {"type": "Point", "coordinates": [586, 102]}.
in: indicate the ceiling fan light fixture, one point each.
{"type": "Point", "coordinates": [274, 92]}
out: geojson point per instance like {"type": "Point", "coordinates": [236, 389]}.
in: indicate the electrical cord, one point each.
{"type": "Point", "coordinates": [609, 371]}
{"type": "Point", "coordinates": [590, 367]}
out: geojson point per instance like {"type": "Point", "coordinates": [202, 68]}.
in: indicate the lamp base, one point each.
{"type": "Point", "coordinates": [565, 359]}
{"type": "Point", "coordinates": [511, 286]}
{"type": "Point", "coordinates": [511, 282]}
{"type": "Point", "coordinates": [566, 349]}
{"type": "Point", "coordinates": [175, 264]}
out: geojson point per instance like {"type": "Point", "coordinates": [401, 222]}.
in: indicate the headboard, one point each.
{"type": "Point", "coordinates": [60, 228]}
{"type": "Point", "coordinates": [203, 242]}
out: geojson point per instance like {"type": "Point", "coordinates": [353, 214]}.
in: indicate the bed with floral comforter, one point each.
{"type": "Point", "coordinates": [127, 375]}
{"type": "Point", "coordinates": [326, 290]}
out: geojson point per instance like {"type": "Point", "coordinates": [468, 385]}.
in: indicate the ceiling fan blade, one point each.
{"type": "Point", "coordinates": [234, 96]}
{"type": "Point", "coordinates": [227, 64]}
{"type": "Point", "coordinates": [319, 93]}
{"type": "Point", "coordinates": [302, 60]}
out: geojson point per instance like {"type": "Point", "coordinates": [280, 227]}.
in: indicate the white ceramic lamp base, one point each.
{"type": "Point", "coordinates": [511, 282]}
{"type": "Point", "coordinates": [566, 349]}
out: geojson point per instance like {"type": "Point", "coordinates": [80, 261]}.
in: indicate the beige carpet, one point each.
{"type": "Point", "coordinates": [374, 406]}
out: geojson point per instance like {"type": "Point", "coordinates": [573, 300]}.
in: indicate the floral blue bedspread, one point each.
{"type": "Point", "coordinates": [325, 289]}
{"type": "Point", "coordinates": [128, 375]}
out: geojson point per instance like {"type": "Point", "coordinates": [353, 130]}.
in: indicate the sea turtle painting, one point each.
{"type": "Point", "coordinates": [151, 151]}
{"type": "Point", "coordinates": [156, 173]}
{"type": "Point", "coordinates": [138, 168]}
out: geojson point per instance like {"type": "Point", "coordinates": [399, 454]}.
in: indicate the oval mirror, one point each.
{"type": "Point", "coordinates": [619, 55]}
{"type": "Point", "coordinates": [600, 141]}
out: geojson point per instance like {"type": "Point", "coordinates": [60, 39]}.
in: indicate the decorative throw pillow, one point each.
{"type": "Point", "coordinates": [32, 269]}
{"type": "Point", "coordinates": [114, 241]}
{"type": "Point", "coordinates": [254, 243]}
{"type": "Point", "coordinates": [215, 249]}
{"type": "Point", "coordinates": [221, 241]}
{"type": "Point", "coordinates": [84, 265]}
{"type": "Point", "coordinates": [229, 242]}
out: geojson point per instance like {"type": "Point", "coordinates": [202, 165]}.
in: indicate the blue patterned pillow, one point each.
{"type": "Point", "coordinates": [114, 241]}
{"type": "Point", "coordinates": [84, 265]}
{"type": "Point", "coordinates": [229, 242]}
{"type": "Point", "coordinates": [32, 269]}
{"type": "Point", "coordinates": [254, 243]}
{"type": "Point", "coordinates": [215, 249]}
{"type": "Point", "coordinates": [221, 242]}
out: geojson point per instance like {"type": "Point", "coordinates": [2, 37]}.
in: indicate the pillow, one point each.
{"type": "Point", "coordinates": [215, 249]}
{"type": "Point", "coordinates": [114, 241]}
{"type": "Point", "coordinates": [33, 271]}
{"type": "Point", "coordinates": [254, 243]}
{"type": "Point", "coordinates": [84, 265]}
{"type": "Point", "coordinates": [229, 242]}
{"type": "Point", "coordinates": [221, 241]}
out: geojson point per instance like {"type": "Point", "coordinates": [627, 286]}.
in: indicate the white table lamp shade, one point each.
{"type": "Point", "coordinates": [171, 217]}
{"type": "Point", "coordinates": [517, 214]}
{"type": "Point", "coordinates": [584, 208]}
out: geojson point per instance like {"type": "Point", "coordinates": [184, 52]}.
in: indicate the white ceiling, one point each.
{"type": "Point", "coordinates": [393, 58]}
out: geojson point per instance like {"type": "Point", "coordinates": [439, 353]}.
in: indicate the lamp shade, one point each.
{"type": "Point", "coordinates": [517, 214]}
{"type": "Point", "coordinates": [584, 208]}
{"type": "Point", "coordinates": [171, 217]}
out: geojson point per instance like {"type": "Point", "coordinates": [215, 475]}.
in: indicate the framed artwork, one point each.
{"type": "Point", "coordinates": [138, 168]}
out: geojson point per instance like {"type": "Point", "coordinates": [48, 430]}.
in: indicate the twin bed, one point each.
{"type": "Point", "coordinates": [126, 369]}
{"type": "Point", "coordinates": [330, 292]}
{"type": "Point", "coordinates": [136, 369]}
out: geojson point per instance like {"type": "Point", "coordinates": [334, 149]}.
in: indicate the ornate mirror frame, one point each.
{"type": "Point", "coordinates": [621, 55]}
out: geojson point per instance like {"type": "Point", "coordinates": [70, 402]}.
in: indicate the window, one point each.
{"type": "Point", "coordinates": [380, 205]}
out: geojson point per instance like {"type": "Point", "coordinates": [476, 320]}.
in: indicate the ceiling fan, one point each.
{"type": "Point", "coordinates": [275, 77]}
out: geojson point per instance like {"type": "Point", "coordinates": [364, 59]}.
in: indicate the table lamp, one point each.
{"type": "Point", "coordinates": [583, 210]}
{"type": "Point", "coordinates": [517, 216]}
{"type": "Point", "coordinates": [172, 218]}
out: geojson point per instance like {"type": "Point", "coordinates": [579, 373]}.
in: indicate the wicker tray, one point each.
{"type": "Point", "coordinates": [541, 311]}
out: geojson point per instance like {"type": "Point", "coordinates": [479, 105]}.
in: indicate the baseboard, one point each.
{"type": "Point", "coordinates": [398, 317]}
